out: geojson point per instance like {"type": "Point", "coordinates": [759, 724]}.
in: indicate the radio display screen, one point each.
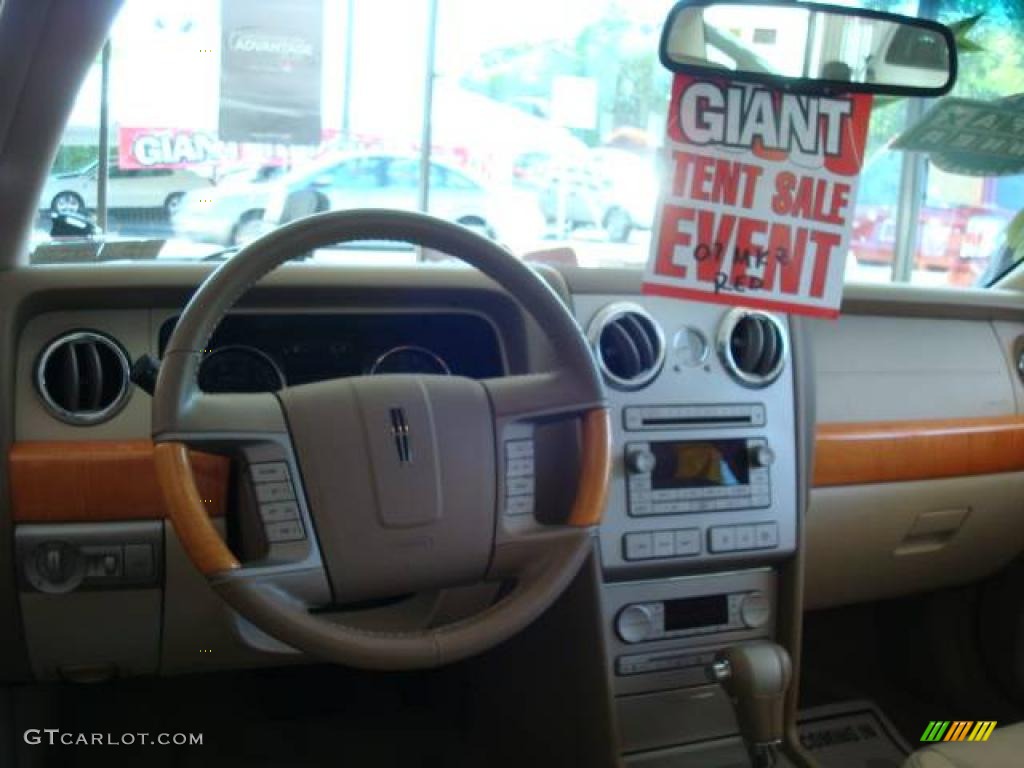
{"type": "Point", "coordinates": [702, 464]}
{"type": "Point", "coordinates": [693, 612]}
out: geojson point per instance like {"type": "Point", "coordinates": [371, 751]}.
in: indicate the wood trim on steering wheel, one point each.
{"type": "Point", "coordinates": [595, 468]}
{"type": "Point", "coordinates": [200, 539]}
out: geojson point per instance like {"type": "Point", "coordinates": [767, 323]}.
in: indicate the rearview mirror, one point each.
{"type": "Point", "coordinates": [810, 46]}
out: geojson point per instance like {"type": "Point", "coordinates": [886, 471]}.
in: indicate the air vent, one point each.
{"type": "Point", "coordinates": [82, 377]}
{"type": "Point", "coordinates": [629, 345]}
{"type": "Point", "coordinates": [752, 346]}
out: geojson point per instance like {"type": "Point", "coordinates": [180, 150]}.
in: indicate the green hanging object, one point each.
{"type": "Point", "coordinates": [970, 137]}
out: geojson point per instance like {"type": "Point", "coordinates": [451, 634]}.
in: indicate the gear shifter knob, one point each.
{"type": "Point", "coordinates": [756, 676]}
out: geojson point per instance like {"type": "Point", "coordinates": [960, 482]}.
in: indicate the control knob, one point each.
{"type": "Point", "coordinates": [755, 610]}
{"type": "Point", "coordinates": [635, 623]}
{"type": "Point", "coordinates": [640, 461]}
{"type": "Point", "coordinates": [761, 456]}
{"type": "Point", "coordinates": [55, 567]}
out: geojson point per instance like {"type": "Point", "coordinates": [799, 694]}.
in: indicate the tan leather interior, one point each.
{"type": "Point", "coordinates": [637, 542]}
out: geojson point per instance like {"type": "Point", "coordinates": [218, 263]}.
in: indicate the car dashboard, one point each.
{"type": "Point", "coordinates": [704, 537]}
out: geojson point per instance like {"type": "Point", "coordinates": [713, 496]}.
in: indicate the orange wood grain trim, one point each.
{"type": "Point", "coordinates": [100, 481]}
{"type": "Point", "coordinates": [595, 469]}
{"type": "Point", "coordinates": [897, 451]}
{"type": "Point", "coordinates": [199, 538]}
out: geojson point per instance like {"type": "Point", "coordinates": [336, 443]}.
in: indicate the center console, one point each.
{"type": "Point", "coordinates": [702, 510]}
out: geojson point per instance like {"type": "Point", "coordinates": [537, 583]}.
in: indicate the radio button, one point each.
{"type": "Point", "coordinates": [640, 483]}
{"type": "Point", "coordinates": [635, 623]}
{"type": "Point", "coordinates": [745, 537]}
{"type": "Point", "coordinates": [670, 508]}
{"type": "Point", "coordinates": [639, 546]}
{"type": "Point", "coordinates": [665, 544]}
{"type": "Point", "coordinates": [755, 610]}
{"type": "Point", "coordinates": [687, 542]}
{"type": "Point", "coordinates": [722, 538]}
{"type": "Point", "coordinates": [759, 477]}
{"type": "Point", "coordinates": [639, 508]}
{"type": "Point", "coordinates": [767, 535]}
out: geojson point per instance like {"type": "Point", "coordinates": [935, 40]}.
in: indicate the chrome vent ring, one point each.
{"type": "Point", "coordinates": [82, 377]}
{"type": "Point", "coordinates": [753, 347]}
{"type": "Point", "coordinates": [629, 345]}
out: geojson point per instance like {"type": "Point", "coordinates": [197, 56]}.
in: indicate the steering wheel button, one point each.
{"type": "Point", "coordinates": [269, 472]}
{"type": "Point", "coordinates": [282, 510]}
{"type": "Point", "coordinates": [269, 492]}
{"type": "Point", "coordinates": [519, 449]}
{"type": "Point", "coordinates": [519, 486]}
{"type": "Point", "coordinates": [519, 505]}
{"type": "Point", "coordinates": [519, 467]}
{"type": "Point", "coordinates": [290, 530]}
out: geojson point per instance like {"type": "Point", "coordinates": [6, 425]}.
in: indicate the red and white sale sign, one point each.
{"type": "Point", "coordinates": [757, 202]}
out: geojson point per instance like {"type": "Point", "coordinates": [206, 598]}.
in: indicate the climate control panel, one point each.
{"type": "Point", "coordinates": [690, 616]}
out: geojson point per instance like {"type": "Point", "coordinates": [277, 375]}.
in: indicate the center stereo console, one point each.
{"type": "Point", "coordinates": [704, 432]}
{"type": "Point", "coordinates": [703, 493]}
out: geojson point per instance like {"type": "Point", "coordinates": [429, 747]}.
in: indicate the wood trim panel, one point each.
{"type": "Point", "coordinates": [898, 451]}
{"type": "Point", "coordinates": [101, 481]}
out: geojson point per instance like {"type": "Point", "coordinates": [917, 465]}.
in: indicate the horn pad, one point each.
{"type": "Point", "coordinates": [399, 471]}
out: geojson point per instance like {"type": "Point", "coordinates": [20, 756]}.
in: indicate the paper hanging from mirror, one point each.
{"type": "Point", "coordinates": [757, 197]}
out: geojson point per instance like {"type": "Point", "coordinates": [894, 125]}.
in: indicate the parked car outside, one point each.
{"type": "Point", "coordinates": [144, 188]}
{"type": "Point", "coordinates": [610, 188]}
{"type": "Point", "coordinates": [234, 213]}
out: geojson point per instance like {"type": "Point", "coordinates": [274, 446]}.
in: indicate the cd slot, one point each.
{"type": "Point", "coordinates": [696, 421]}
{"type": "Point", "coordinates": [664, 417]}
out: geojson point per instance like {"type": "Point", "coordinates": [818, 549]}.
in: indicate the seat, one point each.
{"type": "Point", "coordinates": [1004, 748]}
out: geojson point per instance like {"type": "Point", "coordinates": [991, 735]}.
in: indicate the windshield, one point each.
{"type": "Point", "coordinates": [540, 127]}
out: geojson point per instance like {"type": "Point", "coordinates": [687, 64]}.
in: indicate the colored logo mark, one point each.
{"type": "Point", "coordinates": [958, 730]}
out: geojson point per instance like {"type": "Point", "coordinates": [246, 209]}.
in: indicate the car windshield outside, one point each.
{"type": "Point", "coordinates": [540, 126]}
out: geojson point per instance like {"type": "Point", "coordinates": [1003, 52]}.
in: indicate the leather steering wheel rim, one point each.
{"type": "Point", "coordinates": [542, 562]}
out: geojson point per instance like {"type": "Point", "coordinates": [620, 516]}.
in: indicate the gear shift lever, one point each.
{"type": "Point", "coordinates": [756, 676]}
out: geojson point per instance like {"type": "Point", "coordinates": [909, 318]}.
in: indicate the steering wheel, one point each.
{"type": "Point", "coordinates": [377, 487]}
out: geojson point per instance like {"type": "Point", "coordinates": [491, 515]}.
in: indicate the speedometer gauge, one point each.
{"type": "Point", "coordinates": [410, 359]}
{"type": "Point", "coordinates": [239, 368]}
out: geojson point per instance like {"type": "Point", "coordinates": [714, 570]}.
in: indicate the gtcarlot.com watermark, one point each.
{"type": "Point", "coordinates": [55, 737]}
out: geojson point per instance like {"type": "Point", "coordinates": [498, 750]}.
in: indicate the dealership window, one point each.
{"type": "Point", "coordinates": [540, 126]}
